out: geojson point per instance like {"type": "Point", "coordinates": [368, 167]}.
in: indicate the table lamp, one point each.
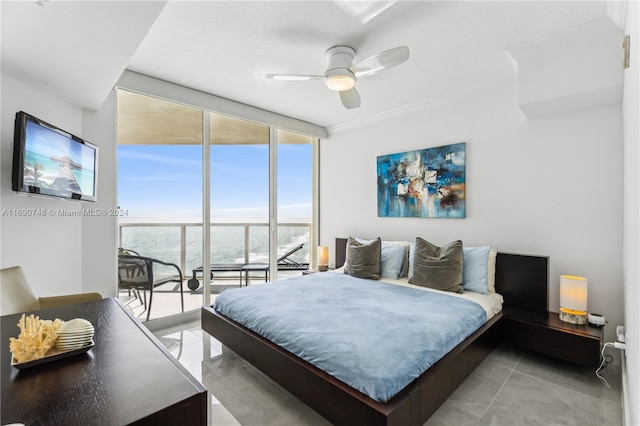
{"type": "Point", "coordinates": [323, 258]}
{"type": "Point", "coordinates": [573, 299]}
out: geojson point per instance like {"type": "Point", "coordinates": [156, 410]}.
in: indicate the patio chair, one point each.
{"type": "Point", "coordinates": [136, 273]}
{"type": "Point", "coordinates": [17, 296]}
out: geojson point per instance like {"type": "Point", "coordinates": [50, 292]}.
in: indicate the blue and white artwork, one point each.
{"type": "Point", "coordinates": [424, 183]}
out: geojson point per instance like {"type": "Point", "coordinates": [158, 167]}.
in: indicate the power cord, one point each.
{"type": "Point", "coordinates": [606, 359]}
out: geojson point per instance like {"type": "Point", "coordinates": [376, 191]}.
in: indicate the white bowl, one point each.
{"type": "Point", "coordinates": [76, 325]}
{"type": "Point", "coordinates": [75, 334]}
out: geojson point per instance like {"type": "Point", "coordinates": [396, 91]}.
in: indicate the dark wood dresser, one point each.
{"type": "Point", "coordinates": [128, 377]}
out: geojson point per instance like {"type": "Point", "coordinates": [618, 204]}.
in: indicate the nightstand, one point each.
{"type": "Point", "coordinates": [545, 333]}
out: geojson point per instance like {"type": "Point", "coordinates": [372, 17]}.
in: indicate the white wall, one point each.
{"type": "Point", "coordinates": [49, 247]}
{"type": "Point", "coordinates": [548, 186]}
{"type": "Point", "coordinates": [100, 233]}
{"type": "Point", "coordinates": [57, 252]}
{"type": "Point", "coordinates": [632, 213]}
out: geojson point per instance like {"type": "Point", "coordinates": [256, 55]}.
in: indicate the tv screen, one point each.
{"type": "Point", "coordinates": [49, 161]}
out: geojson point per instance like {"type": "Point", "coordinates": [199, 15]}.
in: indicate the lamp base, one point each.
{"type": "Point", "coordinates": [323, 268]}
{"type": "Point", "coordinates": [573, 317]}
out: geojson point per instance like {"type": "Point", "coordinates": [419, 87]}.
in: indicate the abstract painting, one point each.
{"type": "Point", "coordinates": [424, 183]}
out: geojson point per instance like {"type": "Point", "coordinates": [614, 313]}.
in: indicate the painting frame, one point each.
{"type": "Point", "coordinates": [425, 183]}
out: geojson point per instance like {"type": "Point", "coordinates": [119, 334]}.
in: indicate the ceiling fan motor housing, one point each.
{"type": "Point", "coordinates": [340, 59]}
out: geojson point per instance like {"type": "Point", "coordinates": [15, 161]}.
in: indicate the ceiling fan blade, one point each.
{"type": "Point", "coordinates": [292, 77]}
{"type": "Point", "coordinates": [382, 61]}
{"type": "Point", "coordinates": [350, 98]}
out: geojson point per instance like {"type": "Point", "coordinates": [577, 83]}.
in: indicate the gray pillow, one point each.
{"type": "Point", "coordinates": [438, 267]}
{"type": "Point", "coordinates": [363, 259]}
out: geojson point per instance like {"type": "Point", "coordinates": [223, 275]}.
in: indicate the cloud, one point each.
{"type": "Point", "coordinates": [164, 177]}
{"type": "Point", "coordinates": [162, 159]}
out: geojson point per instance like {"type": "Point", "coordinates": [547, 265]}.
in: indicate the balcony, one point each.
{"type": "Point", "coordinates": [181, 243]}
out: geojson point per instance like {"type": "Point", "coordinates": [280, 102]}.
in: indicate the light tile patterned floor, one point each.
{"type": "Point", "coordinates": [166, 299]}
{"type": "Point", "coordinates": [511, 387]}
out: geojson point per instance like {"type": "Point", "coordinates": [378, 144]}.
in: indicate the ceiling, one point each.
{"type": "Point", "coordinates": [77, 50]}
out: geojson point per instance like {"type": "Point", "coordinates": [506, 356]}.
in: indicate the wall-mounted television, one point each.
{"type": "Point", "coordinates": [51, 162]}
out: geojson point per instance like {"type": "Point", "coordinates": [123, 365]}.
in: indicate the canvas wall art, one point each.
{"type": "Point", "coordinates": [424, 183]}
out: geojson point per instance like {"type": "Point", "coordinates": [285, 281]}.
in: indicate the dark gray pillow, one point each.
{"type": "Point", "coordinates": [438, 267]}
{"type": "Point", "coordinates": [363, 260]}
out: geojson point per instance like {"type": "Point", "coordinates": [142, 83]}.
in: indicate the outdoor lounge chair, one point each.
{"type": "Point", "coordinates": [284, 264]}
{"type": "Point", "coordinates": [136, 273]}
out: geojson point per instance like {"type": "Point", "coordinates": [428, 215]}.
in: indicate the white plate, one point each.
{"type": "Point", "coordinates": [75, 325]}
{"type": "Point", "coordinates": [72, 333]}
{"type": "Point", "coordinates": [82, 339]}
{"type": "Point", "coordinates": [64, 336]}
{"type": "Point", "coordinates": [79, 333]}
{"type": "Point", "coordinates": [76, 330]}
{"type": "Point", "coordinates": [69, 341]}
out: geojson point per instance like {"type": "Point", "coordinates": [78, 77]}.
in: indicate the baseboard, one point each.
{"type": "Point", "coordinates": [172, 320]}
{"type": "Point", "coordinates": [626, 414]}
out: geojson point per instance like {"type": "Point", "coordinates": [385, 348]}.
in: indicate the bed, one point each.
{"type": "Point", "coordinates": [414, 403]}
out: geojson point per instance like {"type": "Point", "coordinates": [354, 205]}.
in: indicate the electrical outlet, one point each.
{"type": "Point", "coordinates": [620, 333]}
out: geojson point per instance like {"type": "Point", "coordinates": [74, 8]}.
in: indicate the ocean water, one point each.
{"type": "Point", "coordinates": [227, 243]}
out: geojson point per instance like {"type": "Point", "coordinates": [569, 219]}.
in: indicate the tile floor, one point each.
{"type": "Point", "coordinates": [511, 387]}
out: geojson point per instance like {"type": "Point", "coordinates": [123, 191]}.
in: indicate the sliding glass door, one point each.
{"type": "Point", "coordinates": [160, 195]}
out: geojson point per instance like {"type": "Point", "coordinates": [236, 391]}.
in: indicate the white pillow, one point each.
{"type": "Point", "coordinates": [412, 253]}
{"type": "Point", "coordinates": [475, 269]}
{"type": "Point", "coordinates": [405, 263]}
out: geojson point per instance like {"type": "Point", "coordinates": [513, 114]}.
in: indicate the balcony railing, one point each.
{"type": "Point", "coordinates": [241, 242]}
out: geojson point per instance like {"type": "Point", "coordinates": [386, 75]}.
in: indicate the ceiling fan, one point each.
{"type": "Point", "coordinates": [341, 74]}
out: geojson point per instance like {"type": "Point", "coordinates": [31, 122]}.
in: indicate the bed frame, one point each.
{"type": "Point", "coordinates": [340, 403]}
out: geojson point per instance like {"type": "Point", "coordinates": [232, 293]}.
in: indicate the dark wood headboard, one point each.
{"type": "Point", "coordinates": [523, 280]}
{"type": "Point", "coordinates": [341, 251]}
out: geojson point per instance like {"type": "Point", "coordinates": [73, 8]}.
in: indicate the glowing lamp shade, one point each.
{"type": "Point", "coordinates": [323, 258]}
{"type": "Point", "coordinates": [573, 299]}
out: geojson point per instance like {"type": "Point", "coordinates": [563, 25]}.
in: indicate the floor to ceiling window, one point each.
{"type": "Point", "coordinates": [160, 192]}
{"type": "Point", "coordinates": [295, 200]}
{"type": "Point", "coordinates": [239, 187]}
{"type": "Point", "coordinates": [170, 185]}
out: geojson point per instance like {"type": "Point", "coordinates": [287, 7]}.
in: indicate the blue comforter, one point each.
{"type": "Point", "coordinates": [374, 336]}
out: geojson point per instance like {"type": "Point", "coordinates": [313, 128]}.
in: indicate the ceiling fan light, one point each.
{"type": "Point", "coordinates": [340, 80]}
{"type": "Point", "coordinates": [340, 83]}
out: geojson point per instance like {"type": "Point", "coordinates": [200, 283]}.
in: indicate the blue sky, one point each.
{"type": "Point", "coordinates": [164, 182]}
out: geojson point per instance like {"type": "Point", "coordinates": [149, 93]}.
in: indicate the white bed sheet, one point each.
{"type": "Point", "coordinates": [490, 302]}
